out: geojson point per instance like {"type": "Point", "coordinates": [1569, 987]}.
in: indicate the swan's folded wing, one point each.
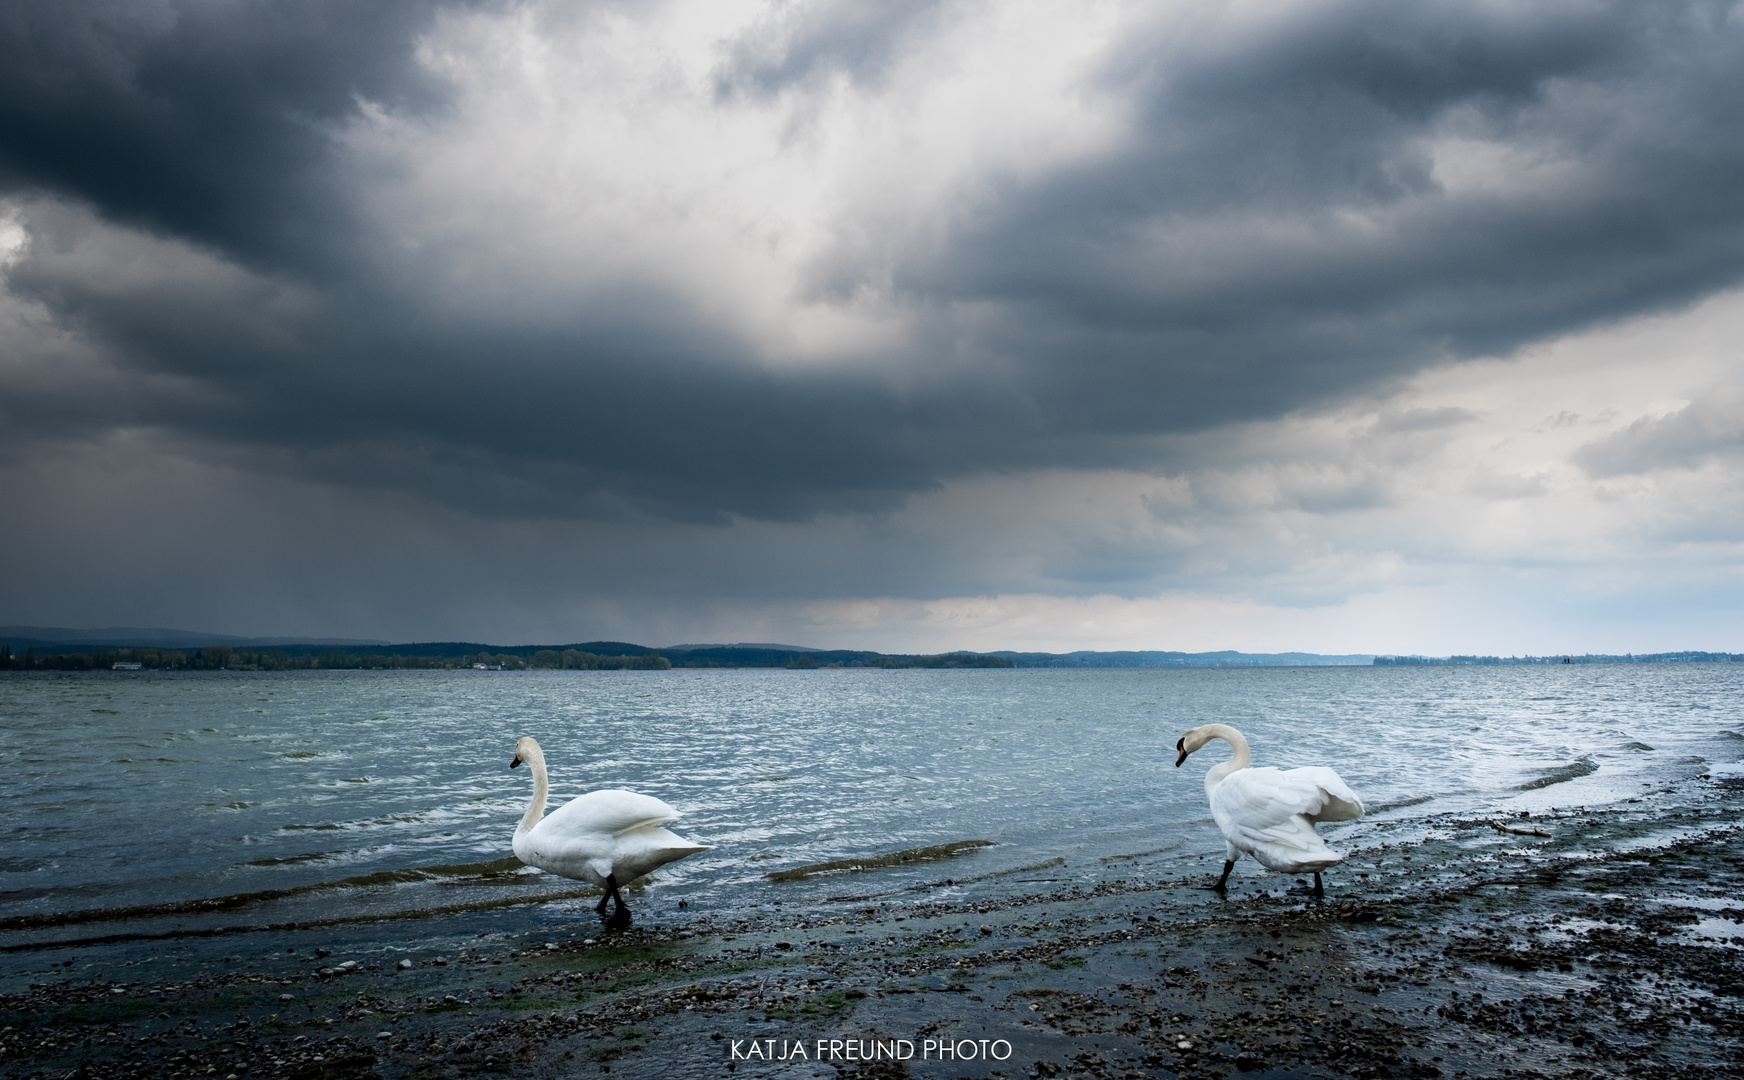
{"type": "Point", "coordinates": [1338, 802]}
{"type": "Point", "coordinates": [612, 812]}
{"type": "Point", "coordinates": [1262, 800]}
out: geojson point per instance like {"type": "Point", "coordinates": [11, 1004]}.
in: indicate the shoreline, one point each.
{"type": "Point", "coordinates": [1618, 951]}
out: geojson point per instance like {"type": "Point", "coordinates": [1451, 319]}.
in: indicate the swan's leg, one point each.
{"type": "Point", "coordinates": [614, 896]}
{"type": "Point", "coordinates": [620, 916]}
{"type": "Point", "coordinates": [1319, 889]}
{"type": "Point", "coordinates": [1228, 865]}
{"type": "Point", "coordinates": [610, 894]}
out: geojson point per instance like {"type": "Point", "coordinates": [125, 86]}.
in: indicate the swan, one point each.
{"type": "Point", "coordinates": [1270, 813]}
{"type": "Point", "coordinates": [609, 838]}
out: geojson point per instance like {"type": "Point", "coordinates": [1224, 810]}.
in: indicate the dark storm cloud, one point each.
{"type": "Point", "coordinates": [1271, 233]}
{"type": "Point", "coordinates": [208, 120]}
{"type": "Point", "coordinates": [1205, 271]}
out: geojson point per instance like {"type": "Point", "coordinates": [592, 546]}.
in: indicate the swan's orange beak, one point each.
{"type": "Point", "coordinates": [516, 760]}
{"type": "Point", "coordinates": [1181, 745]}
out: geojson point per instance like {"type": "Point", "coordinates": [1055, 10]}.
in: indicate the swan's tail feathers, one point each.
{"type": "Point", "coordinates": [1294, 853]}
{"type": "Point", "coordinates": [645, 849]}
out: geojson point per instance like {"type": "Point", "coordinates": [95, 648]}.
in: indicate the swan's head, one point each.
{"type": "Point", "coordinates": [526, 749]}
{"type": "Point", "coordinates": [1192, 741]}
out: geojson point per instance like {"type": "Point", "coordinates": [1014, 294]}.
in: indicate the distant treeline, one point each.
{"type": "Point", "coordinates": [571, 660]}
{"type": "Point", "coordinates": [1585, 658]}
{"type": "Point", "coordinates": [617, 657]}
{"type": "Point", "coordinates": [733, 657]}
{"type": "Point", "coordinates": [1155, 659]}
{"type": "Point", "coordinates": [225, 658]}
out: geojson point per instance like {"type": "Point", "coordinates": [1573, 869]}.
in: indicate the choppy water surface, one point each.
{"type": "Point", "coordinates": [146, 790]}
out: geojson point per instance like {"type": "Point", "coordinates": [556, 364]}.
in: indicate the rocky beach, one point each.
{"type": "Point", "coordinates": [1571, 943]}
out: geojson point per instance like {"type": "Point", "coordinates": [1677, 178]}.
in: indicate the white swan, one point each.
{"type": "Point", "coordinates": [1270, 813]}
{"type": "Point", "coordinates": [608, 838]}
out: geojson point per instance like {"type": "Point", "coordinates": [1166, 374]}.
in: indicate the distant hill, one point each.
{"type": "Point", "coordinates": [468, 648]}
{"type": "Point", "coordinates": [48, 641]}
{"type": "Point", "coordinates": [1226, 658]}
{"type": "Point", "coordinates": [741, 645]}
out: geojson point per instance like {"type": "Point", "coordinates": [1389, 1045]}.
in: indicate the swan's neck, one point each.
{"type": "Point", "coordinates": [536, 808]}
{"type": "Point", "coordinates": [1236, 763]}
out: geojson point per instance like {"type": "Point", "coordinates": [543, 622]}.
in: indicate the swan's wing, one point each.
{"type": "Point", "coordinates": [611, 812]}
{"type": "Point", "coordinates": [1269, 812]}
{"type": "Point", "coordinates": [1337, 801]}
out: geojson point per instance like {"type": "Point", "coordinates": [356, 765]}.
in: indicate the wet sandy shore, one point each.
{"type": "Point", "coordinates": [1611, 947]}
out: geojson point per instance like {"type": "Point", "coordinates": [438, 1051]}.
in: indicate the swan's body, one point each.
{"type": "Point", "coordinates": [1270, 813]}
{"type": "Point", "coordinates": [606, 838]}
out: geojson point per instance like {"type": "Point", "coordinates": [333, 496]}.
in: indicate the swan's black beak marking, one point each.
{"type": "Point", "coordinates": [516, 761]}
{"type": "Point", "coordinates": [1181, 745]}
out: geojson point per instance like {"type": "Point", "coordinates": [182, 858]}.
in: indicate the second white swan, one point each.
{"type": "Point", "coordinates": [1270, 813]}
{"type": "Point", "coordinates": [608, 838]}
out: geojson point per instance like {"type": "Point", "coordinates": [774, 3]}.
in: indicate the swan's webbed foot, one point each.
{"type": "Point", "coordinates": [1317, 891]}
{"type": "Point", "coordinates": [620, 916]}
{"type": "Point", "coordinates": [1222, 883]}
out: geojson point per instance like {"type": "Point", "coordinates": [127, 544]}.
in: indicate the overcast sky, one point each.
{"type": "Point", "coordinates": [1341, 326]}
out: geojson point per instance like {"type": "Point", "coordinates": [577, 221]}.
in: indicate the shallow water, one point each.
{"type": "Point", "coordinates": [144, 790]}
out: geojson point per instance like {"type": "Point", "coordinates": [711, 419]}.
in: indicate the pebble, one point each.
{"type": "Point", "coordinates": [1458, 936]}
{"type": "Point", "coordinates": [405, 965]}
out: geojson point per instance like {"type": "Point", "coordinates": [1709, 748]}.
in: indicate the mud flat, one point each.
{"type": "Point", "coordinates": [1610, 946]}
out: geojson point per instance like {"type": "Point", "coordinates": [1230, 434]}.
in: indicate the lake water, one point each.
{"type": "Point", "coordinates": [380, 804]}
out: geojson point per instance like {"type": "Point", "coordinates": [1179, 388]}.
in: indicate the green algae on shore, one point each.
{"type": "Point", "coordinates": [934, 853]}
{"type": "Point", "coordinates": [1596, 956]}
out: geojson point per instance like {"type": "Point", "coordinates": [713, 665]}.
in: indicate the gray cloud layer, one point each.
{"type": "Point", "coordinates": [1269, 232]}
{"type": "Point", "coordinates": [1288, 210]}
{"type": "Point", "coordinates": [1710, 427]}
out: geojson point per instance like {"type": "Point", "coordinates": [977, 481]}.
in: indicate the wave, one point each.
{"type": "Point", "coordinates": [496, 868]}
{"type": "Point", "coordinates": [1397, 804]}
{"type": "Point", "coordinates": [309, 924]}
{"type": "Point", "coordinates": [1141, 854]}
{"type": "Point", "coordinates": [1572, 771]}
{"type": "Point", "coordinates": [875, 862]}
